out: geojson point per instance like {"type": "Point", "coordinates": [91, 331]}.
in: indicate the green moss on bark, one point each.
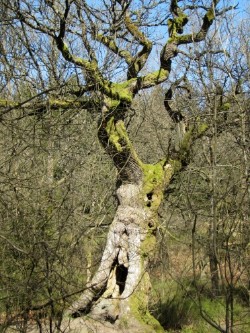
{"type": "Point", "coordinates": [138, 303]}
{"type": "Point", "coordinates": [176, 165]}
{"type": "Point", "coordinates": [113, 134]}
{"type": "Point", "coordinates": [155, 178]}
{"type": "Point", "coordinates": [118, 136]}
{"type": "Point", "coordinates": [195, 132]}
{"type": "Point", "coordinates": [123, 91]}
{"type": "Point", "coordinates": [117, 93]}
{"type": "Point", "coordinates": [148, 244]}
{"type": "Point", "coordinates": [210, 14]}
{"type": "Point", "coordinates": [155, 78]}
{"type": "Point", "coordinates": [111, 44]}
{"type": "Point", "coordinates": [175, 26]}
{"type": "Point", "coordinates": [88, 65]}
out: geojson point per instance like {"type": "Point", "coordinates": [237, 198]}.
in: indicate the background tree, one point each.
{"type": "Point", "coordinates": [210, 193]}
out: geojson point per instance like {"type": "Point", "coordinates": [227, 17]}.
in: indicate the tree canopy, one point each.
{"type": "Point", "coordinates": [68, 66]}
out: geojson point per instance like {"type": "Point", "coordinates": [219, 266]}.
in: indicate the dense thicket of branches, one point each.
{"type": "Point", "coordinates": [164, 87]}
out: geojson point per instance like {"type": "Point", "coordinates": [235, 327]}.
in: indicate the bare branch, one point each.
{"type": "Point", "coordinates": [63, 20]}
{"type": "Point", "coordinates": [14, 106]}
{"type": "Point", "coordinates": [13, 245]}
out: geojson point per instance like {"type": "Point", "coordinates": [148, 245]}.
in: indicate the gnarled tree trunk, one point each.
{"type": "Point", "coordinates": [118, 292]}
{"type": "Point", "coordinates": [120, 287]}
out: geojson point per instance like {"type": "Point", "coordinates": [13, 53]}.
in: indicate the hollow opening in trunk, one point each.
{"type": "Point", "coordinates": [121, 277]}
{"type": "Point", "coordinates": [149, 198]}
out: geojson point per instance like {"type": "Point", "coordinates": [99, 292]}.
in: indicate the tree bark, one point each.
{"type": "Point", "coordinates": [121, 285]}
{"type": "Point", "coordinates": [118, 292]}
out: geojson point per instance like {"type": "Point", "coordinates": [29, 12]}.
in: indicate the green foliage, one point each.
{"type": "Point", "coordinates": [171, 304]}
{"type": "Point", "coordinates": [178, 309]}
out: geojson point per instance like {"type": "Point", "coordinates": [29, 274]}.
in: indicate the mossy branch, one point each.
{"type": "Point", "coordinates": [116, 92]}
{"type": "Point", "coordinates": [119, 138]}
{"type": "Point", "coordinates": [136, 33]}
{"type": "Point", "coordinates": [179, 20]}
{"type": "Point", "coordinates": [141, 57]}
{"type": "Point", "coordinates": [91, 67]}
{"type": "Point", "coordinates": [110, 43]}
{"type": "Point", "coordinates": [37, 108]}
{"type": "Point", "coordinates": [179, 23]}
{"type": "Point", "coordinates": [154, 177]}
{"type": "Point", "coordinates": [152, 79]}
{"type": "Point", "coordinates": [182, 157]}
{"type": "Point", "coordinates": [176, 27]}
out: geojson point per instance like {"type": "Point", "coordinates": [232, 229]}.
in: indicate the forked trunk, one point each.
{"type": "Point", "coordinates": [118, 292]}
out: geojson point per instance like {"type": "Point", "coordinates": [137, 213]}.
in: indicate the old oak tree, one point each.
{"type": "Point", "coordinates": [123, 34]}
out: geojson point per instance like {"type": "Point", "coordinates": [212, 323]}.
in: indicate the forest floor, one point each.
{"type": "Point", "coordinates": [79, 325]}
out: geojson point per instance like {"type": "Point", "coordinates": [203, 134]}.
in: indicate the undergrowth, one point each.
{"type": "Point", "coordinates": [179, 309]}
